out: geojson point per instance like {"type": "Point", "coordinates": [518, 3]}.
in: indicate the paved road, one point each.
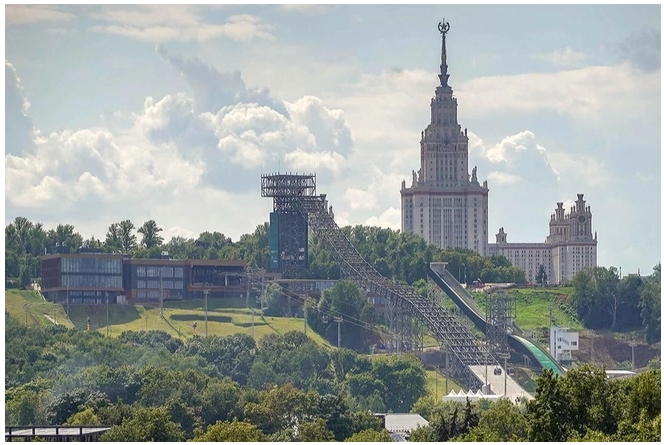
{"type": "Point", "coordinates": [497, 383]}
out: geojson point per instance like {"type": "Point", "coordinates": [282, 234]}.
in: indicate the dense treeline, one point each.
{"type": "Point", "coordinates": [151, 386]}
{"type": "Point", "coordinates": [602, 300]}
{"type": "Point", "coordinates": [581, 406]}
{"type": "Point", "coordinates": [400, 256]}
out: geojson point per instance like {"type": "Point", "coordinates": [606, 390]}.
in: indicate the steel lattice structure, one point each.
{"type": "Point", "coordinates": [500, 315]}
{"type": "Point", "coordinates": [405, 306]}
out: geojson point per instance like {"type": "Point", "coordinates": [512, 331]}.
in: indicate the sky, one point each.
{"type": "Point", "coordinates": [173, 112]}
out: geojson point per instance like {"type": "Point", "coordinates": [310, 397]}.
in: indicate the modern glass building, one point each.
{"type": "Point", "coordinates": [96, 278]}
{"type": "Point", "coordinates": [90, 278]}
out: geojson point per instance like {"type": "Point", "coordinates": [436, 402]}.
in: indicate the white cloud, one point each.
{"type": "Point", "coordinates": [590, 95]}
{"type": "Point", "coordinates": [389, 219]}
{"type": "Point", "coordinates": [162, 23]}
{"type": "Point", "coordinates": [304, 9]}
{"type": "Point", "coordinates": [360, 199]}
{"type": "Point", "coordinates": [583, 168]}
{"type": "Point", "coordinates": [27, 14]}
{"type": "Point", "coordinates": [503, 178]}
{"type": "Point", "coordinates": [567, 58]}
{"type": "Point", "coordinates": [645, 178]}
{"type": "Point", "coordinates": [20, 131]}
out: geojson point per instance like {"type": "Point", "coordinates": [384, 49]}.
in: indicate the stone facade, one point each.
{"type": "Point", "coordinates": [569, 248]}
{"type": "Point", "coordinates": [444, 204]}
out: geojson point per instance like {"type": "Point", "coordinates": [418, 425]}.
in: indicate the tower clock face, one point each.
{"type": "Point", "coordinates": [582, 219]}
{"type": "Point", "coordinates": [446, 141]}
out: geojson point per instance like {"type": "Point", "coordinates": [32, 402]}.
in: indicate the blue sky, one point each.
{"type": "Point", "coordinates": [172, 112]}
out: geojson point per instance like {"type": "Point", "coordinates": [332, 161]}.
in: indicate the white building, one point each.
{"type": "Point", "coordinates": [568, 249]}
{"type": "Point", "coordinates": [449, 208]}
{"type": "Point", "coordinates": [444, 204]}
{"type": "Point", "coordinates": [562, 343]}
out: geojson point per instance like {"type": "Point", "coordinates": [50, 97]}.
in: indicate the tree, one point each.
{"type": "Point", "coordinates": [371, 436]}
{"type": "Point", "coordinates": [541, 278]}
{"type": "Point", "coordinates": [315, 431]}
{"type": "Point", "coordinates": [126, 236]}
{"type": "Point", "coordinates": [231, 432]}
{"type": "Point", "coordinates": [344, 300]}
{"type": "Point", "coordinates": [272, 300]}
{"type": "Point", "coordinates": [113, 237]}
{"type": "Point", "coordinates": [150, 232]}
{"type": "Point", "coordinates": [146, 425]}
{"type": "Point", "coordinates": [547, 415]}
{"type": "Point", "coordinates": [220, 401]}
{"type": "Point", "coordinates": [423, 434]}
{"type": "Point", "coordinates": [85, 417]}
{"type": "Point", "coordinates": [403, 377]}
{"type": "Point", "coordinates": [650, 304]}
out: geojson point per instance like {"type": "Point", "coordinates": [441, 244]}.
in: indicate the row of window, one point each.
{"type": "Point", "coordinates": [91, 265]}
{"type": "Point", "coordinates": [103, 281]}
{"type": "Point", "coordinates": [164, 272]}
{"type": "Point", "coordinates": [154, 284]}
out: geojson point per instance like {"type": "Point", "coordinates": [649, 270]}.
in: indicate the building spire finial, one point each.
{"type": "Point", "coordinates": [444, 28]}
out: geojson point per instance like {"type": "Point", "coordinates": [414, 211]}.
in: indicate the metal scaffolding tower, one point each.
{"type": "Point", "coordinates": [405, 306]}
{"type": "Point", "coordinates": [289, 252]}
{"type": "Point", "coordinates": [500, 315]}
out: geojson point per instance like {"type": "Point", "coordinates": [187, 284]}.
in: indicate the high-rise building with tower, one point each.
{"type": "Point", "coordinates": [444, 204]}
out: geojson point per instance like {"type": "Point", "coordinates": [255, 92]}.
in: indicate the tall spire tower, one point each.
{"type": "Point", "coordinates": [445, 204]}
{"type": "Point", "coordinates": [444, 28]}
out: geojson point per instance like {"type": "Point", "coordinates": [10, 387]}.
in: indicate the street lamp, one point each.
{"type": "Point", "coordinates": [632, 344]}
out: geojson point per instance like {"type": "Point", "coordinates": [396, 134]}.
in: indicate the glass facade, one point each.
{"type": "Point", "coordinates": [92, 265]}
{"type": "Point", "coordinates": [103, 281]}
{"type": "Point", "coordinates": [89, 271]}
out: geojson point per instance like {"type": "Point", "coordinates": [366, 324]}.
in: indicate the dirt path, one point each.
{"type": "Point", "coordinates": [49, 318]}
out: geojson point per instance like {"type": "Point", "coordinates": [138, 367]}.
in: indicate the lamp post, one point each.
{"type": "Point", "coordinates": [632, 344]}
{"type": "Point", "coordinates": [464, 272]}
{"type": "Point", "coordinates": [205, 292]}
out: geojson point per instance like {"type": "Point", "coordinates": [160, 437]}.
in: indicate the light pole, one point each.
{"type": "Point", "coordinates": [205, 292]}
{"type": "Point", "coordinates": [632, 344]}
{"type": "Point", "coordinates": [161, 293]}
{"type": "Point", "coordinates": [108, 334]}
{"type": "Point", "coordinates": [464, 272]}
{"type": "Point", "coordinates": [339, 320]}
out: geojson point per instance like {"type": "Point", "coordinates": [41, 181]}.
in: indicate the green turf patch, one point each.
{"type": "Point", "coordinates": [201, 317]}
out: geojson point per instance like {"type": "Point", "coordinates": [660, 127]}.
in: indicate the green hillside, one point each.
{"type": "Point", "coordinates": [533, 304]}
{"type": "Point", "coordinates": [178, 319]}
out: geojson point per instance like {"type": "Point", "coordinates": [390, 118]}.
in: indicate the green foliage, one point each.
{"type": "Point", "coordinates": [541, 278]}
{"type": "Point", "coordinates": [146, 425]}
{"type": "Point", "coordinates": [315, 431]}
{"type": "Point", "coordinates": [604, 301]}
{"type": "Point", "coordinates": [233, 355]}
{"type": "Point", "coordinates": [152, 339]}
{"type": "Point", "coordinates": [423, 434]}
{"type": "Point", "coordinates": [231, 432]}
{"type": "Point", "coordinates": [85, 417]}
{"type": "Point", "coordinates": [370, 436]}
{"type": "Point", "coordinates": [272, 300]}
{"type": "Point", "coordinates": [343, 300]}
{"type": "Point", "coordinates": [403, 378]}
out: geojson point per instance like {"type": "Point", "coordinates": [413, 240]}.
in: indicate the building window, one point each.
{"type": "Point", "coordinates": [140, 271]}
{"type": "Point", "coordinates": [141, 284]}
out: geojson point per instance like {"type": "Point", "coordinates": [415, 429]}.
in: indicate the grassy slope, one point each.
{"type": "Point", "coordinates": [532, 307]}
{"type": "Point", "coordinates": [431, 385]}
{"type": "Point", "coordinates": [15, 304]}
{"type": "Point", "coordinates": [178, 317]}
